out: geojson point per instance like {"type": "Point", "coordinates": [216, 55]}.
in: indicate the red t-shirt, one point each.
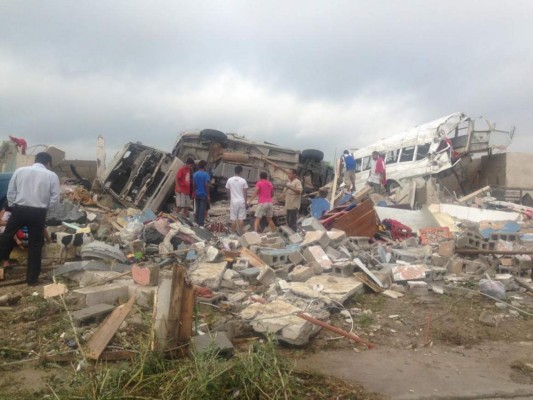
{"type": "Point", "coordinates": [264, 191]}
{"type": "Point", "coordinates": [183, 180]}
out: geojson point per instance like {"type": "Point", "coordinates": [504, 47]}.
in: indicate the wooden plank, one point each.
{"type": "Point", "coordinates": [360, 221]}
{"type": "Point", "coordinates": [187, 314]}
{"type": "Point", "coordinates": [255, 261]}
{"type": "Point", "coordinates": [101, 338]}
{"type": "Point", "coordinates": [368, 272]}
{"type": "Point", "coordinates": [334, 184]}
{"type": "Point", "coordinates": [473, 194]}
{"type": "Point", "coordinates": [174, 311]}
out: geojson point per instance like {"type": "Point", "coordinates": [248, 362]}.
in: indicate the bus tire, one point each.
{"type": "Point", "coordinates": [391, 185]}
{"type": "Point", "coordinates": [213, 135]}
{"type": "Point", "coordinates": [312, 154]}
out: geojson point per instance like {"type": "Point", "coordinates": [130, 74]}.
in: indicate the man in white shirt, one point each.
{"type": "Point", "coordinates": [31, 192]}
{"type": "Point", "coordinates": [237, 191]}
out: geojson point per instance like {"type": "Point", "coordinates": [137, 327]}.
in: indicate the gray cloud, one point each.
{"type": "Point", "coordinates": [301, 74]}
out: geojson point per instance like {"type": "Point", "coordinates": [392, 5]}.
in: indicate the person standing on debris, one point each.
{"type": "Point", "coordinates": [349, 170]}
{"type": "Point", "coordinates": [31, 192]}
{"type": "Point", "coordinates": [377, 176]}
{"type": "Point", "coordinates": [293, 198]}
{"type": "Point", "coordinates": [265, 206]}
{"type": "Point", "coordinates": [202, 197]}
{"type": "Point", "coordinates": [182, 188]}
{"type": "Point", "coordinates": [237, 188]}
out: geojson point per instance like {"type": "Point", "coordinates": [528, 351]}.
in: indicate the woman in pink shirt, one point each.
{"type": "Point", "coordinates": [265, 208]}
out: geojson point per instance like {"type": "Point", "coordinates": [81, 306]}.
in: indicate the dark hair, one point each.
{"type": "Point", "coordinates": [238, 169]}
{"type": "Point", "coordinates": [346, 152]}
{"type": "Point", "coordinates": [263, 175]}
{"type": "Point", "coordinates": [43, 158]}
{"type": "Point", "coordinates": [202, 164]}
{"type": "Point", "coordinates": [189, 161]}
{"type": "Point", "coordinates": [293, 171]}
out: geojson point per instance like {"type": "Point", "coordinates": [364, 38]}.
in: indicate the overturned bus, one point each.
{"type": "Point", "coordinates": [224, 151]}
{"type": "Point", "coordinates": [431, 149]}
{"type": "Point", "coordinates": [143, 177]}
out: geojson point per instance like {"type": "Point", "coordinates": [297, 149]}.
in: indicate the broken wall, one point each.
{"type": "Point", "coordinates": [510, 170]}
{"type": "Point", "coordinates": [85, 168]}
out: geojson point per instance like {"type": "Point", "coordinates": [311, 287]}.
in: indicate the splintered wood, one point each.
{"type": "Point", "coordinates": [107, 330]}
{"type": "Point", "coordinates": [173, 310]}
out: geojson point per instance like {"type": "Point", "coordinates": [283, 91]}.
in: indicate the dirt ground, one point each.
{"type": "Point", "coordinates": [407, 332]}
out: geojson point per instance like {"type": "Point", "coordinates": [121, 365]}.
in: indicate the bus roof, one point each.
{"type": "Point", "coordinates": [425, 133]}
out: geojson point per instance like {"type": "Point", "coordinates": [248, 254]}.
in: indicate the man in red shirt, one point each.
{"type": "Point", "coordinates": [265, 207]}
{"type": "Point", "coordinates": [182, 187]}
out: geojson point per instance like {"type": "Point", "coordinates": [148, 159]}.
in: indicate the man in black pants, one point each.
{"type": "Point", "coordinates": [31, 192]}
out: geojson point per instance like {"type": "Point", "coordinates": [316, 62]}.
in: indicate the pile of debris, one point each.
{"type": "Point", "coordinates": [285, 283]}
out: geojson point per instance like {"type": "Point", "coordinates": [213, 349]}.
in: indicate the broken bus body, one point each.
{"type": "Point", "coordinates": [431, 148]}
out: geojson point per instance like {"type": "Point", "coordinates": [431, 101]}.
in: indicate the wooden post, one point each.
{"type": "Point", "coordinates": [168, 307]}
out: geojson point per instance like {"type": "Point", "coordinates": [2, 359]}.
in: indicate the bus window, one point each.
{"type": "Point", "coordinates": [358, 164]}
{"type": "Point", "coordinates": [365, 164]}
{"type": "Point", "coordinates": [392, 156]}
{"type": "Point", "coordinates": [422, 151]}
{"type": "Point", "coordinates": [407, 154]}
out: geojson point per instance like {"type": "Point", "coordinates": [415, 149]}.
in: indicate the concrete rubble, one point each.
{"type": "Point", "coordinates": [268, 279]}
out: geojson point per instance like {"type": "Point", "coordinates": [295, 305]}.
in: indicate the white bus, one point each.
{"type": "Point", "coordinates": [430, 148]}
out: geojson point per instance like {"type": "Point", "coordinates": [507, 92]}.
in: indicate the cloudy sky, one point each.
{"type": "Point", "coordinates": [302, 74]}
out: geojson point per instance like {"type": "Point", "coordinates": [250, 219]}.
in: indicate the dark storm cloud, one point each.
{"type": "Point", "coordinates": [298, 73]}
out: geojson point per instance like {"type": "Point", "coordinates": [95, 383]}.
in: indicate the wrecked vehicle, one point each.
{"type": "Point", "coordinates": [224, 151]}
{"type": "Point", "coordinates": [141, 176]}
{"type": "Point", "coordinates": [430, 149]}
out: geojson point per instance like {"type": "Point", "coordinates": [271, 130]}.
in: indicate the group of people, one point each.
{"type": "Point", "coordinates": [377, 177]}
{"type": "Point", "coordinates": [194, 184]}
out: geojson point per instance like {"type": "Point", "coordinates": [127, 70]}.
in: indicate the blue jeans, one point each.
{"type": "Point", "coordinates": [200, 209]}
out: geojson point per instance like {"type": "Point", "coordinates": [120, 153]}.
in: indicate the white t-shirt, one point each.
{"type": "Point", "coordinates": [374, 177]}
{"type": "Point", "coordinates": [236, 186]}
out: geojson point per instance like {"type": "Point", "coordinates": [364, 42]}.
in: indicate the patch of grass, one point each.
{"type": "Point", "coordinates": [365, 320]}
{"type": "Point", "coordinates": [258, 373]}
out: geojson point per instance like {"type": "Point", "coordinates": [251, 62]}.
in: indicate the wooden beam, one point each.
{"type": "Point", "coordinates": [186, 314]}
{"type": "Point", "coordinates": [101, 338]}
{"type": "Point", "coordinates": [174, 311]}
{"type": "Point", "coordinates": [473, 194]}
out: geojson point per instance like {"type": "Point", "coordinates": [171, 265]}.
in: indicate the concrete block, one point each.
{"type": "Point", "coordinates": [145, 274]}
{"type": "Point", "coordinates": [144, 295]}
{"type": "Point", "coordinates": [266, 275]}
{"type": "Point", "coordinates": [250, 239]}
{"type": "Point", "coordinates": [418, 288]}
{"type": "Point", "coordinates": [296, 257]}
{"type": "Point", "coordinates": [474, 267]}
{"type": "Point", "coordinates": [295, 238]}
{"type": "Point", "coordinates": [447, 249]}
{"type": "Point", "coordinates": [402, 272]}
{"type": "Point", "coordinates": [312, 224]}
{"type": "Point", "coordinates": [250, 274]}
{"type": "Point", "coordinates": [107, 294]}
{"type": "Point", "coordinates": [282, 272]}
{"type": "Point", "coordinates": [439, 261]}
{"type": "Point", "coordinates": [217, 343]}
{"type": "Point", "coordinates": [336, 236]}
{"type": "Point", "coordinates": [343, 270]}
{"type": "Point", "coordinates": [301, 273]}
{"type": "Point", "coordinates": [359, 242]}
{"type": "Point", "coordinates": [285, 232]}
{"type": "Point", "coordinates": [317, 254]}
{"type": "Point", "coordinates": [276, 257]}
{"type": "Point", "coordinates": [54, 290]}
{"type": "Point", "coordinates": [314, 238]}
{"type": "Point", "coordinates": [455, 266]}
{"type": "Point", "coordinates": [91, 314]}
{"type": "Point", "coordinates": [333, 253]}
{"type": "Point", "coordinates": [439, 273]}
